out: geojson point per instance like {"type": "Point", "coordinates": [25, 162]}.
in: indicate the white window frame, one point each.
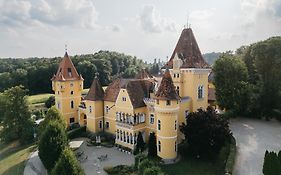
{"type": "Point", "coordinates": [151, 119]}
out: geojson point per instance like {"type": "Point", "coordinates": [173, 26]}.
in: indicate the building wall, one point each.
{"type": "Point", "coordinates": [94, 115]}
{"type": "Point", "coordinates": [63, 98]}
{"type": "Point", "coordinates": [167, 134]}
{"type": "Point", "coordinates": [110, 116]}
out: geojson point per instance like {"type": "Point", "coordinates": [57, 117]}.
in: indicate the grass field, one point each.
{"type": "Point", "coordinates": [13, 157]}
{"type": "Point", "coordinates": [193, 166]}
{"type": "Point", "coordinates": [40, 98]}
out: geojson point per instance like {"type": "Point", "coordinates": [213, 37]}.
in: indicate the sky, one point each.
{"type": "Point", "coordinates": [146, 29]}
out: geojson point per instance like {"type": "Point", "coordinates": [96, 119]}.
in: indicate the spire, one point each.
{"type": "Point", "coordinates": [166, 90]}
{"type": "Point", "coordinates": [143, 74]}
{"type": "Point", "coordinates": [66, 70]}
{"type": "Point", "coordinates": [96, 92]}
{"type": "Point", "coordinates": [188, 51]}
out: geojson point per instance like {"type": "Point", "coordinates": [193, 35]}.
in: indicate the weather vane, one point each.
{"type": "Point", "coordinates": [65, 47]}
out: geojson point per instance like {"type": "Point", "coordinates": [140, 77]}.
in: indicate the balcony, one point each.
{"type": "Point", "coordinates": [129, 121]}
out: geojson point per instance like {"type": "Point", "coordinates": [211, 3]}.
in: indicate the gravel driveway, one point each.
{"type": "Point", "coordinates": [253, 138]}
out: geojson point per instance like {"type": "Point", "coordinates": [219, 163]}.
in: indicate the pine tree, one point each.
{"type": "Point", "coordinates": [67, 164]}
{"type": "Point", "coordinates": [140, 143]}
{"type": "Point", "coordinates": [152, 147]}
{"type": "Point", "coordinates": [52, 142]}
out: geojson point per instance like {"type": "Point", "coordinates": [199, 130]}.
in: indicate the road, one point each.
{"type": "Point", "coordinates": [253, 138]}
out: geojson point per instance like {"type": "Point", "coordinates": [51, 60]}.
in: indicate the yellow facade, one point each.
{"type": "Point", "coordinates": [68, 98]}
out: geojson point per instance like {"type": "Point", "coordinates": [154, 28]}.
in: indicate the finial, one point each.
{"type": "Point", "coordinates": [65, 47]}
{"type": "Point", "coordinates": [187, 25]}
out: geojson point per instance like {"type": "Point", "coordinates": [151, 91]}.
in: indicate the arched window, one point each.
{"type": "Point", "coordinates": [71, 92]}
{"type": "Point", "coordinates": [72, 104]}
{"type": "Point", "coordinates": [159, 146]}
{"type": "Point", "coordinates": [100, 124]}
{"type": "Point", "coordinates": [159, 125]}
{"type": "Point", "coordinates": [176, 147]}
{"type": "Point", "coordinates": [175, 125]}
{"type": "Point", "coordinates": [200, 92]}
{"type": "Point", "coordinates": [117, 133]}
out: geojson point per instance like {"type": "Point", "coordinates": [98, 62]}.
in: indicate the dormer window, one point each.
{"type": "Point", "coordinates": [69, 72]}
{"type": "Point", "coordinates": [168, 102]}
{"type": "Point", "coordinates": [123, 98]}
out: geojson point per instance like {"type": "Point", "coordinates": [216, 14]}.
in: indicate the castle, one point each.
{"type": "Point", "coordinates": [143, 105]}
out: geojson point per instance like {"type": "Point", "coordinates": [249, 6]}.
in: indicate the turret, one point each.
{"type": "Point", "coordinates": [67, 85]}
{"type": "Point", "coordinates": [166, 110]}
{"type": "Point", "coordinates": [94, 107]}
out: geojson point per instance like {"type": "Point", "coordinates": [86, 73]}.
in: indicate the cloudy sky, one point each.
{"type": "Point", "coordinates": [147, 29]}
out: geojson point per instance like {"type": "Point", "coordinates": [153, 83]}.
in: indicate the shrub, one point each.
{"type": "Point", "coordinates": [67, 164]}
{"type": "Point", "coordinates": [143, 165]}
{"type": "Point", "coordinates": [119, 170]}
{"type": "Point", "coordinates": [231, 156]}
{"type": "Point", "coordinates": [52, 142]}
{"type": "Point", "coordinates": [50, 102]}
{"type": "Point", "coordinates": [78, 132]}
{"type": "Point", "coordinates": [155, 170]}
{"type": "Point", "coordinates": [138, 159]}
{"type": "Point", "coordinates": [271, 164]}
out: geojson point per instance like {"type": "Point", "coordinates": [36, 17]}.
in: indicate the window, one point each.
{"type": "Point", "coordinates": [100, 124]}
{"type": "Point", "coordinates": [178, 75]}
{"type": "Point", "coordinates": [175, 125]}
{"type": "Point", "coordinates": [117, 133]}
{"type": "Point", "coordinates": [159, 125]}
{"type": "Point", "coordinates": [71, 84]}
{"type": "Point", "coordinates": [106, 124]}
{"type": "Point", "coordinates": [69, 72]}
{"type": "Point", "coordinates": [168, 102]}
{"type": "Point", "coordinates": [90, 109]}
{"type": "Point", "coordinates": [123, 98]}
{"type": "Point", "coordinates": [178, 90]}
{"type": "Point", "coordinates": [85, 116]}
{"type": "Point", "coordinates": [159, 146]}
{"type": "Point", "coordinates": [106, 109]}
{"type": "Point", "coordinates": [174, 75]}
{"type": "Point", "coordinates": [72, 104]}
{"type": "Point", "coordinates": [157, 101]}
{"type": "Point", "coordinates": [58, 105]}
{"type": "Point", "coordinates": [71, 92]}
{"type": "Point", "coordinates": [58, 92]}
{"type": "Point", "coordinates": [176, 147]}
{"type": "Point", "coordinates": [186, 113]}
{"type": "Point", "coordinates": [151, 120]}
{"type": "Point", "coordinates": [71, 120]}
{"type": "Point", "coordinates": [200, 92]}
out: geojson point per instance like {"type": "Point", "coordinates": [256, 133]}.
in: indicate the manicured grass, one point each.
{"type": "Point", "coordinates": [13, 157]}
{"type": "Point", "coordinates": [40, 98]}
{"type": "Point", "coordinates": [193, 166]}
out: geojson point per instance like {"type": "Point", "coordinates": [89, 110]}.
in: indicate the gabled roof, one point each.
{"type": "Point", "coordinates": [166, 90]}
{"type": "Point", "coordinates": [188, 51]}
{"type": "Point", "coordinates": [137, 90]}
{"type": "Point", "coordinates": [66, 70]}
{"type": "Point", "coordinates": [95, 92]}
{"type": "Point", "coordinates": [144, 74]}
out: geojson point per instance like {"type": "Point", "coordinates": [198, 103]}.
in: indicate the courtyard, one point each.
{"type": "Point", "coordinates": [253, 138]}
{"type": "Point", "coordinates": [93, 159]}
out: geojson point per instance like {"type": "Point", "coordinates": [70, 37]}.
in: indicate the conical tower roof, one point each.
{"type": "Point", "coordinates": [66, 70]}
{"type": "Point", "coordinates": [188, 51]}
{"type": "Point", "coordinates": [96, 92]}
{"type": "Point", "coordinates": [166, 90]}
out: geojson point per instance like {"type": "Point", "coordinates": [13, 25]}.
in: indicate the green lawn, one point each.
{"type": "Point", "coordinates": [13, 157]}
{"type": "Point", "coordinates": [40, 98]}
{"type": "Point", "coordinates": [192, 166]}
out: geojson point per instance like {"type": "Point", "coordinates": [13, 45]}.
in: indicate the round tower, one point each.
{"type": "Point", "coordinates": [166, 110]}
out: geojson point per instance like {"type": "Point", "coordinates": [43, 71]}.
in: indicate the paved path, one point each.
{"type": "Point", "coordinates": [92, 164]}
{"type": "Point", "coordinates": [253, 138]}
{"type": "Point", "coordinates": [34, 165]}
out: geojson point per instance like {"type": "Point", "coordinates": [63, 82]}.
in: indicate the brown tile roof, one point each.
{"type": "Point", "coordinates": [136, 88]}
{"type": "Point", "coordinates": [188, 51]}
{"type": "Point", "coordinates": [95, 92]}
{"type": "Point", "coordinates": [144, 74]}
{"type": "Point", "coordinates": [166, 90]}
{"type": "Point", "coordinates": [211, 94]}
{"type": "Point", "coordinates": [66, 70]}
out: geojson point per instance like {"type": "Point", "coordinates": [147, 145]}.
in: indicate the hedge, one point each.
{"type": "Point", "coordinates": [231, 156]}
{"type": "Point", "coordinates": [77, 132]}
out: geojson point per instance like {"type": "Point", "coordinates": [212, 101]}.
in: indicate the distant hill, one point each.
{"type": "Point", "coordinates": [211, 57]}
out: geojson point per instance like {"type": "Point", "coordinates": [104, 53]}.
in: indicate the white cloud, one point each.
{"type": "Point", "coordinates": [201, 15]}
{"type": "Point", "coordinates": [73, 13]}
{"type": "Point", "coordinates": [152, 22]}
